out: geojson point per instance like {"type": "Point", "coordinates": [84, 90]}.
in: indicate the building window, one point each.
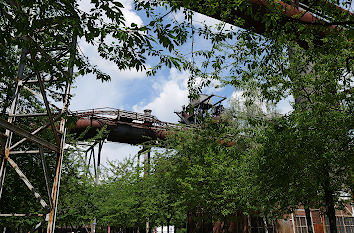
{"type": "Point", "coordinates": [344, 224]}
{"type": "Point", "coordinates": [300, 224]}
{"type": "Point", "coordinates": [258, 225]}
{"type": "Point", "coordinates": [349, 224]}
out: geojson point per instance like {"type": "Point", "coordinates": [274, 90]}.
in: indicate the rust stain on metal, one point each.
{"type": "Point", "coordinates": [54, 193]}
{"type": "Point", "coordinates": [7, 153]}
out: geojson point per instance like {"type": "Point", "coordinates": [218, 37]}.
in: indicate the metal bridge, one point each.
{"type": "Point", "coordinates": [135, 128]}
{"type": "Point", "coordinates": [123, 126]}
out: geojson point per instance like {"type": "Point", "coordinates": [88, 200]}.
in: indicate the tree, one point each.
{"type": "Point", "coordinates": [78, 193]}
{"type": "Point", "coordinates": [210, 167]}
{"type": "Point", "coordinates": [169, 207]}
{"type": "Point", "coordinates": [307, 60]}
{"type": "Point", "coordinates": [127, 199]}
{"type": "Point", "coordinates": [318, 165]}
{"type": "Point", "coordinates": [122, 205]}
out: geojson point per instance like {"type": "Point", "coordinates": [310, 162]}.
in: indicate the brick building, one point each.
{"type": "Point", "coordinates": [291, 223]}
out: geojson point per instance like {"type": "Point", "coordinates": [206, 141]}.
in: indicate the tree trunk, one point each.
{"type": "Point", "coordinates": [308, 220]}
{"type": "Point", "coordinates": [147, 227]}
{"type": "Point", "coordinates": [265, 224]}
{"type": "Point", "coordinates": [330, 210]}
{"type": "Point", "coordinates": [168, 226]}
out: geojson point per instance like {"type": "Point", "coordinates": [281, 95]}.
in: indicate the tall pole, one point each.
{"type": "Point", "coordinates": [97, 177]}
{"type": "Point", "coordinates": [9, 148]}
{"type": "Point", "coordinates": [11, 118]}
{"type": "Point", "coordinates": [146, 154]}
{"type": "Point", "coordinates": [62, 130]}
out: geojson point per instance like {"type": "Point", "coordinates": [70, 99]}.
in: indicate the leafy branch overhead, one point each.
{"type": "Point", "coordinates": [41, 26]}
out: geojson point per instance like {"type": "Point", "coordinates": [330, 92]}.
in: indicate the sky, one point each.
{"type": "Point", "coordinates": [132, 90]}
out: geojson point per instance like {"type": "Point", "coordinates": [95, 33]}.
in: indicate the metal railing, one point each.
{"type": "Point", "coordinates": [114, 116]}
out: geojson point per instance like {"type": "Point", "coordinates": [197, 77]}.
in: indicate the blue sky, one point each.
{"type": "Point", "coordinates": [132, 90]}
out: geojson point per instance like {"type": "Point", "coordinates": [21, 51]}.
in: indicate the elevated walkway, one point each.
{"type": "Point", "coordinates": [123, 126]}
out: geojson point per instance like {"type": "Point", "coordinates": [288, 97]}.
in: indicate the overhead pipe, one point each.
{"type": "Point", "coordinates": [123, 132]}
{"type": "Point", "coordinates": [261, 7]}
{"type": "Point", "coordinates": [131, 133]}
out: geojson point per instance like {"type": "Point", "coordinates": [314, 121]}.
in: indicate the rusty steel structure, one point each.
{"type": "Point", "coordinates": [136, 128]}
{"type": "Point", "coordinates": [123, 126]}
{"type": "Point", "coordinates": [198, 108]}
{"type": "Point", "coordinates": [36, 144]}
{"type": "Point", "coordinates": [296, 11]}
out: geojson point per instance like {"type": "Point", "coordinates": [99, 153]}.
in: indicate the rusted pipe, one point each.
{"type": "Point", "coordinates": [260, 7]}
{"type": "Point", "coordinates": [123, 132]}
{"type": "Point", "coordinates": [131, 133]}
{"type": "Point", "coordinates": [291, 11]}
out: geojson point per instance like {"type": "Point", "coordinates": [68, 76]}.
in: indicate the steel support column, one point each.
{"type": "Point", "coordinates": [36, 142]}
{"type": "Point", "coordinates": [8, 133]}
{"type": "Point", "coordinates": [96, 167]}
{"type": "Point", "coordinates": [59, 165]}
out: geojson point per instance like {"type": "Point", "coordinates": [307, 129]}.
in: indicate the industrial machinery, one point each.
{"type": "Point", "coordinates": [200, 107]}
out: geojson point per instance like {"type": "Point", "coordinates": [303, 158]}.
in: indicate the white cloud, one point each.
{"type": "Point", "coordinates": [112, 151]}
{"type": "Point", "coordinates": [212, 88]}
{"type": "Point", "coordinates": [173, 94]}
{"type": "Point", "coordinates": [92, 93]}
{"type": "Point", "coordinates": [129, 13]}
{"type": "Point", "coordinates": [90, 50]}
{"type": "Point", "coordinates": [107, 66]}
{"type": "Point", "coordinates": [284, 106]}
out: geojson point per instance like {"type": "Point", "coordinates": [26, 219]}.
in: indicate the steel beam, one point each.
{"type": "Point", "coordinates": [49, 112]}
{"type": "Point", "coordinates": [2, 173]}
{"type": "Point", "coordinates": [27, 183]}
{"type": "Point", "coordinates": [59, 135]}
{"type": "Point", "coordinates": [56, 186]}
{"type": "Point", "coordinates": [24, 152]}
{"type": "Point", "coordinates": [43, 80]}
{"type": "Point", "coordinates": [29, 136]}
{"type": "Point", "coordinates": [36, 114]}
{"type": "Point", "coordinates": [94, 163]}
{"type": "Point", "coordinates": [8, 134]}
{"type": "Point", "coordinates": [38, 130]}
{"type": "Point", "coordinates": [46, 177]}
{"type": "Point", "coordinates": [2, 163]}
{"type": "Point", "coordinates": [100, 145]}
{"type": "Point", "coordinates": [59, 166]}
{"type": "Point", "coordinates": [20, 215]}
{"type": "Point", "coordinates": [37, 226]}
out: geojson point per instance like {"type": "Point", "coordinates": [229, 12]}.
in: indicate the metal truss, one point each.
{"type": "Point", "coordinates": [90, 157]}
{"type": "Point", "coordinates": [36, 144]}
